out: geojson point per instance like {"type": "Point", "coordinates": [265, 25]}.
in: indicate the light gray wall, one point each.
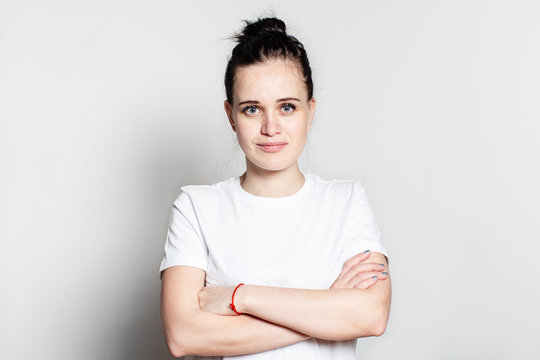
{"type": "Point", "coordinates": [108, 107]}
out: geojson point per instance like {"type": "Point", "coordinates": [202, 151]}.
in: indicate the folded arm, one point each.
{"type": "Point", "coordinates": [357, 305]}
{"type": "Point", "coordinates": [334, 314]}
{"type": "Point", "coordinates": [192, 331]}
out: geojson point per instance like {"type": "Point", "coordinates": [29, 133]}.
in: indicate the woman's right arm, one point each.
{"type": "Point", "coordinates": [192, 331]}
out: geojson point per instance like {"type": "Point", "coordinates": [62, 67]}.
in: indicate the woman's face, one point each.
{"type": "Point", "coordinates": [270, 114]}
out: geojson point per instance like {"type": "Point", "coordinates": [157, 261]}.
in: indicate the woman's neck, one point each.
{"type": "Point", "coordinates": [266, 183]}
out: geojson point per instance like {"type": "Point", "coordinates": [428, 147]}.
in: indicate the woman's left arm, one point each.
{"type": "Point", "coordinates": [334, 314]}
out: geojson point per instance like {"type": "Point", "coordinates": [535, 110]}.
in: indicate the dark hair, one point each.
{"type": "Point", "coordinates": [262, 40]}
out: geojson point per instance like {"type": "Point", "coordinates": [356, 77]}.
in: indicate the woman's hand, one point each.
{"type": "Point", "coordinates": [359, 274]}
{"type": "Point", "coordinates": [356, 273]}
{"type": "Point", "coordinates": [216, 299]}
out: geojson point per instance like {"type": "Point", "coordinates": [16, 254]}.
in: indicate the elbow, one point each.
{"type": "Point", "coordinates": [176, 348]}
{"type": "Point", "coordinates": [377, 325]}
{"type": "Point", "coordinates": [177, 343]}
{"type": "Point", "coordinates": [176, 352]}
{"type": "Point", "coordinates": [366, 329]}
{"type": "Point", "coordinates": [374, 325]}
{"type": "Point", "coordinates": [184, 337]}
{"type": "Point", "coordinates": [362, 329]}
{"type": "Point", "coordinates": [378, 328]}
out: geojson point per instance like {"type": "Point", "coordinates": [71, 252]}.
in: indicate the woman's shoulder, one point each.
{"type": "Point", "coordinates": [202, 191]}
{"type": "Point", "coordinates": [347, 192]}
{"type": "Point", "coordinates": [335, 185]}
{"type": "Point", "coordinates": [216, 186]}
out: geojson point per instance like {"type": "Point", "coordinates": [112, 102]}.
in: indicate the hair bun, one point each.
{"type": "Point", "coordinates": [255, 29]}
{"type": "Point", "coordinates": [262, 40]}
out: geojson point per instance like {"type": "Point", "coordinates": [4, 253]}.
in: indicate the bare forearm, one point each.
{"type": "Point", "coordinates": [335, 314]}
{"type": "Point", "coordinates": [205, 333]}
{"type": "Point", "coordinates": [192, 331]}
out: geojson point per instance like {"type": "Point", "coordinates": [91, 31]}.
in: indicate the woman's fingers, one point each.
{"type": "Point", "coordinates": [349, 264]}
{"type": "Point", "coordinates": [356, 272]}
{"type": "Point", "coordinates": [366, 279]}
{"type": "Point", "coordinates": [366, 283]}
{"type": "Point", "coordinates": [216, 299]}
{"type": "Point", "coordinates": [360, 268]}
{"type": "Point", "coordinates": [356, 259]}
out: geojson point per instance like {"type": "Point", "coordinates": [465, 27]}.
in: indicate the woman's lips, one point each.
{"type": "Point", "coordinates": [272, 147]}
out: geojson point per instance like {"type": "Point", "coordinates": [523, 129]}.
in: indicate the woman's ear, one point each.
{"type": "Point", "coordinates": [311, 114]}
{"type": "Point", "coordinates": [228, 110]}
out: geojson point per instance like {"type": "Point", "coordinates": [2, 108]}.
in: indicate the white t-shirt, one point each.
{"type": "Point", "coordinates": [298, 241]}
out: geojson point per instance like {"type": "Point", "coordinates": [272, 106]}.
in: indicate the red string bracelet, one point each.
{"type": "Point", "coordinates": [232, 300]}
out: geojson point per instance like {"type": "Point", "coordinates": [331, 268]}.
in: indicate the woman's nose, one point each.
{"type": "Point", "coordinates": [271, 124]}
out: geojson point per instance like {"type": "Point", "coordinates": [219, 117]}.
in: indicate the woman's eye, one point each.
{"type": "Point", "coordinates": [288, 108]}
{"type": "Point", "coordinates": [250, 110]}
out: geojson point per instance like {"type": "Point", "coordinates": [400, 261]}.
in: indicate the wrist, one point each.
{"type": "Point", "coordinates": [233, 305]}
{"type": "Point", "coordinates": [240, 299]}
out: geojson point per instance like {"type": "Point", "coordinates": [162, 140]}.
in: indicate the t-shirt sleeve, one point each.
{"type": "Point", "coordinates": [184, 244]}
{"type": "Point", "coordinates": [363, 232]}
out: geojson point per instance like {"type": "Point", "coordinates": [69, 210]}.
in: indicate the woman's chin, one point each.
{"type": "Point", "coordinates": [272, 166]}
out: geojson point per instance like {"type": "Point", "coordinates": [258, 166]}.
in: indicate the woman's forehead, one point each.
{"type": "Point", "coordinates": [276, 78]}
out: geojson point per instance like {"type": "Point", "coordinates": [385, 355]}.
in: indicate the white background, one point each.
{"type": "Point", "coordinates": [108, 107]}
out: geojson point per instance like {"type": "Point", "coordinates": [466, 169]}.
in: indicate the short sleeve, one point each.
{"type": "Point", "coordinates": [363, 232]}
{"type": "Point", "coordinates": [184, 244]}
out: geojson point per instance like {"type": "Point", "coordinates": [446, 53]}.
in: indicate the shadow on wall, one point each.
{"type": "Point", "coordinates": [172, 158]}
{"type": "Point", "coordinates": [144, 339]}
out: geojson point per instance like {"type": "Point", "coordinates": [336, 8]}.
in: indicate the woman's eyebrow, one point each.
{"type": "Point", "coordinates": [288, 99]}
{"type": "Point", "coordinates": [248, 102]}
{"type": "Point", "coordinates": [278, 100]}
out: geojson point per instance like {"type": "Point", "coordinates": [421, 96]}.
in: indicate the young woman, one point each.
{"type": "Point", "coordinates": [272, 264]}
